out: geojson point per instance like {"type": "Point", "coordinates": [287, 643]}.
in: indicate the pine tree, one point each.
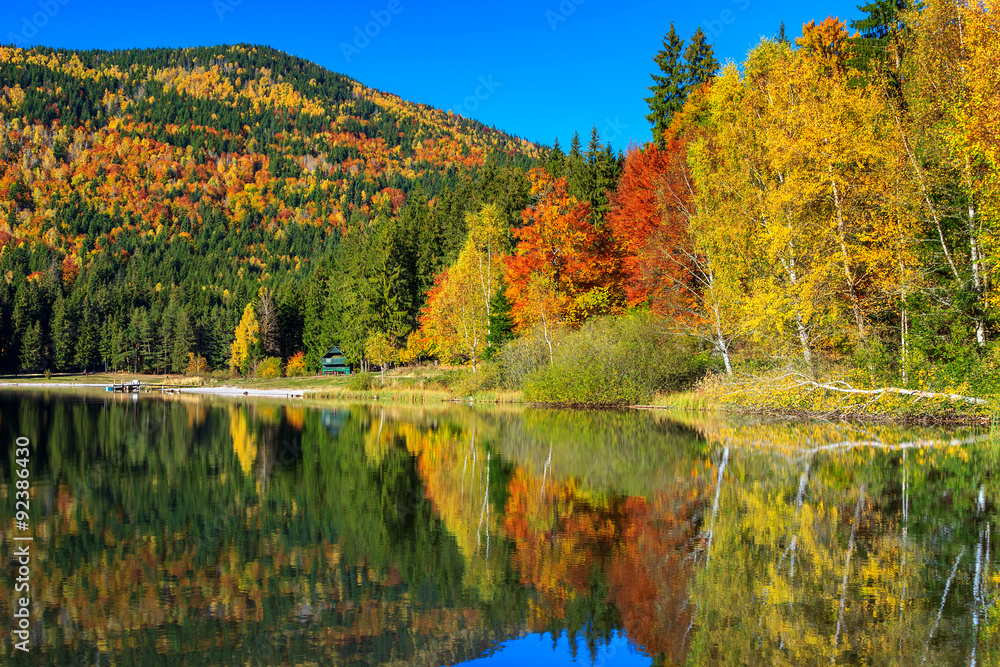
{"type": "Point", "coordinates": [699, 58]}
{"type": "Point", "coordinates": [878, 43]}
{"type": "Point", "coordinates": [668, 89]}
{"type": "Point", "coordinates": [62, 335]}
{"type": "Point", "coordinates": [86, 340]}
{"type": "Point", "coordinates": [781, 37]}
{"type": "Point", "coordinates": [31, 347]}
{"type": "Point", "coordinates": [556, 160]}
{"type": "Point", "coordinates": [501, 324]}
{"type": "Point", "coordinates": [576, 169]}
{"type": "Point", "coordinates": [182, 343]}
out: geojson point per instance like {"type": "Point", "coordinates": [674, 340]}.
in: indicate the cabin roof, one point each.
{"type": "Point", "coordinates": [333, 352]}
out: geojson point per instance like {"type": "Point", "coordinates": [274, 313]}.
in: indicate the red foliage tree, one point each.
{"type": "Point", "coordinates": [649, 221]}
{"type": "Point", "coordinates": [558, 247]}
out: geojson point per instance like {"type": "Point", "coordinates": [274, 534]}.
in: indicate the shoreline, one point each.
{"type": "Point", "coordinates": [705, 404]}
{"type": "Point", "coordinates": [213, 391]}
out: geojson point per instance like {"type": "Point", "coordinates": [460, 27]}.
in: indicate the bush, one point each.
{"type": "Point", "coordinates": [197, 365]}
{"type": "Point", "coordinates": [488, 376]}
{"type": "Point", "coordinates": [521, 357]}
{"type": "Point", "coordinates": [621, 361]}
{"type": "Point", "coordinates": [297, 365]}
{"type": "Point", "coordinates": [360, 382]}
{"type": "Point", "coordinates": [222, 374]}
{"type": "Point", "coordinates": [269, 367]}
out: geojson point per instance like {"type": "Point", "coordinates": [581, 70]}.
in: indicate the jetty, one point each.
{"type": "Point", "coordinates": [137, 387]}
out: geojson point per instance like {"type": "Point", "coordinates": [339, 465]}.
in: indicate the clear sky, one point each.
{"type": "Point", "coordinates": [537, 68]}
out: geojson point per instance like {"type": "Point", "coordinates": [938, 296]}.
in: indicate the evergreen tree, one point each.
{"type": "Point", "coordinates": [86, 340]}
{"type": "Point", "coordinates": [669, 85]}
{"type": "Point", "coordinates": [555, 161]}
{"type": "Point", "coordinates": [62, 336]}
{"type": "Point", "coordinates": [878, 44]}
{"type": "Point", "coordinates": [501, 324]}
{"type": "Point", "coordinates": [781, 37]}
{"type": "Point", "coordinates": [576, 169]}
{"type": "Point", "coordinates": [183, 342]}
{"type": "Point", "coordinates": [31, 348]}
{"type": "Point", "coordinates": [699, 60]}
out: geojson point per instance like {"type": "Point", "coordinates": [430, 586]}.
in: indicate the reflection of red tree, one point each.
{"type": "Point", "coordinates": [642, 548]}
{"type": "Point", "coordinates": [649, 574]}
{"type": "Point", "coordinates": [560, 538]}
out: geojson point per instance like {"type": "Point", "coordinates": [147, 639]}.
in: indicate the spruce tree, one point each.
{"type": "Point", "coordinates": [501, 324]}
{"type": "Point", "coordinates": [182, 343]}
{"type": "Point", "coordinates": [31, 347]}
{"type": "Point", "coordinates": [86, 340]}
{"type": "Point", "coordinates": [555, 161]}
{"type": "Point", "coordinates": [576, 169]}
{"type": "Point", "coordinates": [781, 37]}
{"type": "Point", "coordinates": [668, 89]}
{"type": "Point", "coordinates": [699, 60]}
{"type": "Point", "coordinates": [878, 44]}
{"type": "Point", "coordinates": [62, 335]}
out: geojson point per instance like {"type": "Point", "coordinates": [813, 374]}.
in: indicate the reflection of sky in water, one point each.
{"type": "Point", "coordinates": [537, 649]}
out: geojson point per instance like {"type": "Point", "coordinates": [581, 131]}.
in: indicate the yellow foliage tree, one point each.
{"type": "Point", "coordinates": [456, 318]}
{"type": "Point", "coordinates": [244, 347]}
{"type": "Point", "coordinates": [379, 348]}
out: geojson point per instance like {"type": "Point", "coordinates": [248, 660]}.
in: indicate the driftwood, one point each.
{"type": "Point", "coordinates": [844, 388]}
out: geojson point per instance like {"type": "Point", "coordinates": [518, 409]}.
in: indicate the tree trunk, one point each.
{"type": "Point", "coordinates": [848, 271]}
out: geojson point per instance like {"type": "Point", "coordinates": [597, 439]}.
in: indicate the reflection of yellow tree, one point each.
{"type": "Point", "coordinates": [455, 467]}
{"type": "Point", "coordinates": [244, 440]}
{"type": "Point", "coordinates": [815, 576]}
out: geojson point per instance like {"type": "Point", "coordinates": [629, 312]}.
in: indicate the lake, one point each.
{"type": "Point", "coordinates": [208, 531]}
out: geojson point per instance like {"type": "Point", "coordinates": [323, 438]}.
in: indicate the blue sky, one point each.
{"type": "Point", "coordinates": [537, 68]}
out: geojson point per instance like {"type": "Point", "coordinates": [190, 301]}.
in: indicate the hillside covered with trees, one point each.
{"type": "Point", "coordinates": [149, 196]}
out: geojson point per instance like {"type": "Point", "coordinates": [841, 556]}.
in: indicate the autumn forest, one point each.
{"type": "Point", "coordinates": [830, 202]}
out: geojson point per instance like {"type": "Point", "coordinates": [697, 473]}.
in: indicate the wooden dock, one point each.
{"type": "Point", "coordinates": [136, 387]}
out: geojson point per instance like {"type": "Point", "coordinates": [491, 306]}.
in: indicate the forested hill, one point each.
{"type": "Point", "coordinates": [149, 195]}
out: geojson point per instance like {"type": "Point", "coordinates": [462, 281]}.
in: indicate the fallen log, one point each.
{"type": "Point", "coordinates": [844, 388]}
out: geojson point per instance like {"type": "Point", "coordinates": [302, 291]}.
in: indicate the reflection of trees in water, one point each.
{"type": "Point", "coordinates": [361, 534]}
{"type": "Point", "coordinates": [847, 546]}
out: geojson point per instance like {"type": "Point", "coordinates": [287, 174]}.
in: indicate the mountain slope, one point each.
{"type": "Point", "coordinates": [217, 170]}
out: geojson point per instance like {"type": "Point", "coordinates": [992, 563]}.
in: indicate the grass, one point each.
{"type": "Point", "coordinates": [694, 399]}
{"type": "Point", "coordinates": [786, 394]}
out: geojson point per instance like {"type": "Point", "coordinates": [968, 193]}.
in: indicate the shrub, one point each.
{"type": "Point", "coordinates": [197, 365]}
{"type": "Point", "coordinates": [360, 382]}
{"type": "Point", "coordinates": [488, 376]}
{"type": "Point", "coordinates": [222, 374]}
{"type": "Point", "coordinates": [269, 367]}
{"type": "Point", "coordinates": [521, 357]}
{"type": "Point", "coordinates": [620, 361]}
{"type": "Point", "coordinates": [297, 365]}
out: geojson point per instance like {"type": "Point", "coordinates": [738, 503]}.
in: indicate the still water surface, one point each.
{"type": "Point", "coordinates": [203, 531]}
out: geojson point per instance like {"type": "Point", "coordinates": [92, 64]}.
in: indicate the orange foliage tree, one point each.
{"type": "Point", "coordinates": [559, 247]}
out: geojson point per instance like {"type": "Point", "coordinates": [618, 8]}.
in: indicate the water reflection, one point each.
{"type": "Point", "coordinates": [197, 531]}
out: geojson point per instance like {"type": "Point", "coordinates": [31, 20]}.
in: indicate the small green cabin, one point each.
{"type": "Point", "coordinates": [334, 363]}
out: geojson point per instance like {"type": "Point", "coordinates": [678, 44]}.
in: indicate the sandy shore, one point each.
{"type": "Point", "coordinates": [215, 391]}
